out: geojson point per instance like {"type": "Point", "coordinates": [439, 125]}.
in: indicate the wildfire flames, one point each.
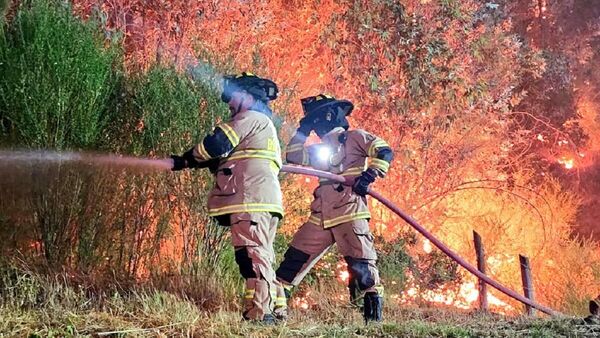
{"type": "Point", "coordinates": [464, 296]}
{"type": "Point", "coordinates": [427, 246]}
{"type": "Point", "coordinates": [568, 163]}
{"type": "Point", "coordinates": [514, 221]}
{"type": "Point", "coordinates": [342, 272]}
{"type": "Point", "coordinates": [302, 302]}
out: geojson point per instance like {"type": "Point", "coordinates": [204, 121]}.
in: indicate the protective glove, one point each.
{"type": "Point", "coordinates": [306, 126]}
{"type": "Point", "coordinates": [187, 160]}
{"type": "Point", "coordinates": [212, 165]}
{"type": "Point", "coordinates": [361, 185]}
{"type": "Point", "coordinates": [179, 163]}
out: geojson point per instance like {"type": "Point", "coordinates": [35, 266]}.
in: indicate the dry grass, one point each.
{"type": "Point", "coordinates": [37, 306]}
{"type": "Point", "coordinates": [165, 316]}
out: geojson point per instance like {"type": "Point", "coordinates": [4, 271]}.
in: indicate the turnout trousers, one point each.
{"type": "Point", "coordinates": [311, 242]}
{"type": "Point", "coordinates": [252, 236]}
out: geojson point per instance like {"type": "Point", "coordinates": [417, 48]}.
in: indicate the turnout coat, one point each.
{"type": "Point", "coordinates": [246, 179]}
{"type": "Point", "coordinates": [346, 153]}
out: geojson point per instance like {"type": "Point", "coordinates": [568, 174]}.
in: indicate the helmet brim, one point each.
{"type": "Point", "coordinates": [345, 105]}
{"type": "Point", "coordinates": [261, 89]}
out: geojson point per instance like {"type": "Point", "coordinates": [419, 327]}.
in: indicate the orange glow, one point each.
{"type": "Point", "coordinates": [303, 303]}
{"type": "Point", "coordinates": [306, 65]}
{"type": "Point", "coordinates": [344, 275]}
{"type": "Point", "coordinates": [300, 303]}
{"type": "Point", "coordinates": [464, 297]}
{"type": "Point", "coordinates": [568, 163]}
{"type": "Point", "coordinates": [342, 272]}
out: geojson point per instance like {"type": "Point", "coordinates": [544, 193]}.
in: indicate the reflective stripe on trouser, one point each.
{"type": "Point", "coordinates": [252, 235]}
{"type": "Point", "coordinates": [354, 241]}
{"type": "Point", "coordinates": [280, 310]}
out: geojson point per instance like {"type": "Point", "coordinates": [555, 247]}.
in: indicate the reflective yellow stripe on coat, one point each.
{"type": "Point", "coordinates": [233, 137]}
{"type": "Point", "coordinates": [382, 165]}
{"type": "Point", "coordinates": [247, 207]}
{"type": "Point", "coordinates": [255, 153]}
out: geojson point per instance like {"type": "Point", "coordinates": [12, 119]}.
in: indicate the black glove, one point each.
{"type": "Point", "coordinates": [306, 126]}
{"type": "Point", "coordinates": [212, 165]}
{"type": "Point", "coordinates": [187, 160]}
{"type": "Point", "coordinates": [361, 185]}
{"type": "Point", "coordinates": [179, 163]}
{"type": "Point", "coordinates": [191, 160]}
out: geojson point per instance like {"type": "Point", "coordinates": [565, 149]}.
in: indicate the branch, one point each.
{"type": "Point", "coordinates": [109, 333]}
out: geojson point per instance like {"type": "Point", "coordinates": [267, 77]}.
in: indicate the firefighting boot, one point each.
{"type": "Point", "coordinates": [373, 307]}
{"type": "Point", "coordinates": [268, 319]}
{"type": "Point", "coordinates": [594, 317]}
{"type": "Point", "coordinates": [280, 311]}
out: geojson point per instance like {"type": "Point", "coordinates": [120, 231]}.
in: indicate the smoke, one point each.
{"type": "Point", "coordinates": [205, 74]}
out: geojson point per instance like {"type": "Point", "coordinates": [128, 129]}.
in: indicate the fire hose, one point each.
{"type": "Point", "coordinates": [427, 234]}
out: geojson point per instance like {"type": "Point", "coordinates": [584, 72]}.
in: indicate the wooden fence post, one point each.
{"type": "Point", "coordinates": [480, 253]}
{"type": "Point", "coordinates": [527, 285]}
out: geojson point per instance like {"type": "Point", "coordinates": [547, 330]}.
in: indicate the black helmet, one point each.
{"type": "Point", "coordinates": [322, 103]}
{"type": "Point", "coordinates": [326, 112]}
{"type": "Point", "coordinates": [263, 90]}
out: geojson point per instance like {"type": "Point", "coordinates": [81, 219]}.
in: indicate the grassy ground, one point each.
{"type": "Point", "coordinates": [165, 315]}
{"type": "Point", "coordinates": [37, 305]}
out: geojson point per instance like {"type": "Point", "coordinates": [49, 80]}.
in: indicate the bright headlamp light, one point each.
{"type": "Point", "coordinates": [324, 153]}
{"type": "Point", "coordinates": [320, 153]}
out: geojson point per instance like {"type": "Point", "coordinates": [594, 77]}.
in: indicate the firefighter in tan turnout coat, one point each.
{"type": "Point", "coordinates": [339, 213]}
{"type": "Point", "coordinates": [245, 156]}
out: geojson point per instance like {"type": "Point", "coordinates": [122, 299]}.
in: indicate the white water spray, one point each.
{"type": "Point", "coordinates": [8, 158]}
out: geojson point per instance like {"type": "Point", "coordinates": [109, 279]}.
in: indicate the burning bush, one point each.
{"type": "Point", "coordinates": [438, 80]}
{"type": "Point", "coordinates": [79, 216]}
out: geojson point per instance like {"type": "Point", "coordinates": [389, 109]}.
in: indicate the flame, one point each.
{"type": "Point", "coordinates": [568, 163]}
{"type": "Point", "coordinates": [344, 276]}
{"type": "Point", "coordinates": [427, 246]}
{"type": "Point", "coordinates": [464, 296]}
{"type": "Point", "coordinates": [342, 272]}
{"type": "Point", "coordinates": [302, 302]}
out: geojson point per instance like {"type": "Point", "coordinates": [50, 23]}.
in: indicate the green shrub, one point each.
{"type": "Point", "coordinates": [170, 112]}
{"type": "Point", "coordinates": [394, 261]}
{"type": "Point", "coordinates": [3, 8]}
{"type": "Point", "coordinates": [401, 264]}
{"type": "Point", "coordinates": [57, 78]}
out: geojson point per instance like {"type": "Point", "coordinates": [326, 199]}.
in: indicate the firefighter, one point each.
{"type": "Point", "coordinates": [339, 212]}
{"type": "Point", "coordinates": [245, 157]}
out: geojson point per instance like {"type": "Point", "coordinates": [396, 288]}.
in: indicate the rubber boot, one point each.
{"type": "Point", "coordinates": [373, 307]}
